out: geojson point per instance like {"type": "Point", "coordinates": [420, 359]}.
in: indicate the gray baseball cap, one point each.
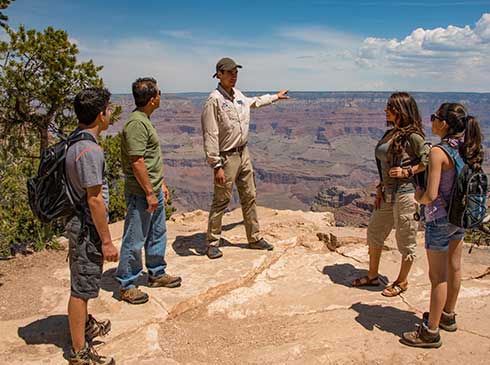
{"type": "Point", "coordinates": [225, 64]}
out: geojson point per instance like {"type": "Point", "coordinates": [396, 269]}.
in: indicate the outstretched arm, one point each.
{"type": "Point", "coordinates": [267, 99]}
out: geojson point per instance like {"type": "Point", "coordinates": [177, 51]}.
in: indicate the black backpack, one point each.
{"type": "Point", "coordinates": [466, 207]}
{"type": "Point", "coordinates": [50, 193]}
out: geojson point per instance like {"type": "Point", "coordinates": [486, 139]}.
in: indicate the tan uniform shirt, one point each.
{"type": "Point", "coordinates": [225, 121]}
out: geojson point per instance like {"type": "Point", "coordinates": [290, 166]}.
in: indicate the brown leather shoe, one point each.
{"type": "Point", "coordinates": [166, 280]}
{"type": "Point", "coordinates": [134, 296]}
{"type": "Point", "coordinates": [447, 322]}
{"type": "Point", "coordinates": [261, 245]}
{"type": "Point", "coordinates": [422, 337]}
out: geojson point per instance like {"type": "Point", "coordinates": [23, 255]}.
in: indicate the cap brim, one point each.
{"type": "Point", "coordinates": [236, 66]}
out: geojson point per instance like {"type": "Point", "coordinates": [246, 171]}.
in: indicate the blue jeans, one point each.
{"type": "Point", "coordinates": [439, 232]}
{"type": "Point", "coordinates": [142, 229]}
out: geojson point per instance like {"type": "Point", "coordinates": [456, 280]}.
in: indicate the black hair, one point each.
{"type": "Point", "coordinates": [144, 89]}
{"type": "Point", "coordinates": [463, 125]}
{"type": "Point", "coordinates": [89, 103]}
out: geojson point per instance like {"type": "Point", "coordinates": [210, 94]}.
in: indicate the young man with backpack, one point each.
{"type": "Point", "coordinates": [88, 232]}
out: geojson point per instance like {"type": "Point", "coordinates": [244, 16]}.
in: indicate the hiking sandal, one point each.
{"type": "Point", "coordinates": [365, 281]}
{"type": "Point", "coordinates": [394, 289]}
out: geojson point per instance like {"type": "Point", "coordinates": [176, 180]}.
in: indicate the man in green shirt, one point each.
{"type": "Point", "coordinates": [146, 195]}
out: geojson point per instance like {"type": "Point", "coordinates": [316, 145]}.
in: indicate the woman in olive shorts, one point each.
{"type": "Point", "coordinates": [461, 140]}
{"type": "Point", "coordinates": [400, 154]}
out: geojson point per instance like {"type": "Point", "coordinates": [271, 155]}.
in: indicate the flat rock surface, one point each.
{"type": "Point", "coordinates": [293, 305]}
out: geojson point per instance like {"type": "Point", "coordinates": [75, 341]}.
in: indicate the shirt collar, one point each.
{"type": "Point", "coordinates": [135, 110]}
{"type": "Point", "coordinates": [224, 93]}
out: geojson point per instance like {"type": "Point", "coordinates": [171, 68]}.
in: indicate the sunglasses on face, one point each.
{"type": "Point", "coordinates": [433, 117]}
{"type": "Point", "coordinates": [390, 106]}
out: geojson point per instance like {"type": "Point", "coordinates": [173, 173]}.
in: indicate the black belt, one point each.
{"type": "Point", "coordinates": [233, 150]}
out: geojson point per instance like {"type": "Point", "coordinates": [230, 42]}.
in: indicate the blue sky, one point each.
{"type": "Point", "coordinates": [300, 45]}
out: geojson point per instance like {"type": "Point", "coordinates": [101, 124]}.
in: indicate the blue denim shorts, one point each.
{"type": "Point", "coordinates": [439, 232]}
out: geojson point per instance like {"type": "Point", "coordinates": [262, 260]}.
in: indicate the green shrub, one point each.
{"type": "Point", "coordinates": [17, 223]}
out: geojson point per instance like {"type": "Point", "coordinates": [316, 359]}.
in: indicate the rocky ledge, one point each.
{"type": "Point", "coordinates": [293, 305]}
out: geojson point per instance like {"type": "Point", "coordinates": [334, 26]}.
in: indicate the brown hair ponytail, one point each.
{"type": "Point", "coordinates": [471, 148]}
{"type": "Point", "coordinates": [460, 123]}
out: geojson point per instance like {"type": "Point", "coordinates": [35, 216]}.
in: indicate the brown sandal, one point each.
{"type": "Point", "coordinates": [394, 289]}
{"type": "Point", "coordinates": [365, 281]}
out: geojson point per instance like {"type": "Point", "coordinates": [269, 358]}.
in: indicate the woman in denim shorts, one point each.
{"type": "Point", "coordinates": [443, 240]}
{"type": "Point", "coordinates": [401, 153]}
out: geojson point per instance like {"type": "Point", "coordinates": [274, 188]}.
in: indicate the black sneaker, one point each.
{"type": "Point", "coordinates": [261, 245]}
{"type": "Point", "coordinates": [214, 252]}
{"type": "Point", "coordinates": [422, 337]}
{"type": "Point", "coordinates": [94, 328]}
{"type": "Point", "coordinates": [88, 356]}
{"type": "Point", "coordinates": [447, 322]}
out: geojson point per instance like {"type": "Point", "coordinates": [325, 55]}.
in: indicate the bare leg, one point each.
{"type": "Point", "coordinates": [454, 275]}
{"type": "Point", "coordinates": [405, 267]}
{"type": "Point", "coordinates": [438, 279]}
{"type": "Point", "coordinates": [77, 317]}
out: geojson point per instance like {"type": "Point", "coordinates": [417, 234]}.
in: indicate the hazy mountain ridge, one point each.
{"type": "Point", "coordinates": [311, 143]}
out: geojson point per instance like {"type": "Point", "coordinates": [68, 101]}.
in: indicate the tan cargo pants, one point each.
{"type": "Point", "coordinates": [238, 169]}
{"type": "Point", "coordinates": [397, 214]}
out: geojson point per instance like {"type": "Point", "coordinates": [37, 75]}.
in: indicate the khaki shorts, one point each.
{"type": "Point", "coordinates": [397, 214]}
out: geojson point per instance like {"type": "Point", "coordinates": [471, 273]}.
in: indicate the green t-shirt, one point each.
{"type": "Point", "coordinates": [140, 138]}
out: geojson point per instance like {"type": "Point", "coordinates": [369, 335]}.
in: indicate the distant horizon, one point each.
{"type": "Point", "coordinates": [322, 91]}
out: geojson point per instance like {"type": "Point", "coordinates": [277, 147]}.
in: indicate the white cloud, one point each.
{"type": "Point", "coordinates": [456, 54]}
{"type": "Point", "coordinates": [482, 28]}
{"type": "Point", "coordinates": [304, 58]}
{"type": "Point", "coordinates": [321, 36]}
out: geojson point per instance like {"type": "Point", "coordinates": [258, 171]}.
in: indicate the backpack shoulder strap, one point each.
{"type": "Point", "coordinates": [453, 154]}
{"type": "Point", "coordinates": [72, 139]}
{"type": "Point", "coordinates": [82, 136]}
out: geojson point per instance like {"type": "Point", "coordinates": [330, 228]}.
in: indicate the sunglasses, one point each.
{"type": "Point", "coordinates": [433, 117]}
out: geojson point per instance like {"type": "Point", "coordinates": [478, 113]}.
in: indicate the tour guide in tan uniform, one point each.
{"type": "Point", "coordinates": [225, 123]}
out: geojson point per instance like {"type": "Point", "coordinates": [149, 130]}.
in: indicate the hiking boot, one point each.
{"type": "Point", "coordinates": [165, 280]}
{"type": "Point", "coordinates": [133, 296]}
{"type": "Point", "coordinates": [88, 356]}
{"type": "Point", "coordinates": [422, 337]}
{"type": "Point", "coordinates": [214, 252]}
{"type": "Point", "coordinates": [447, 322]}
{"type": "Point", "coordinates": [261, 245]}
{"type": "Point", "coordinates": [94, 328]}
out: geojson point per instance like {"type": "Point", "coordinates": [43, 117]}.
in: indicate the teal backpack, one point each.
{"type": "Point", "coordinates": [466, 207]}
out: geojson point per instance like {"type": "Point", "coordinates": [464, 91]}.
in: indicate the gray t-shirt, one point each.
{"type": "Point", "coordinates": [85, 168]}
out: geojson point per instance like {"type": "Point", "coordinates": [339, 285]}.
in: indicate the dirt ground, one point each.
{"type": "Point", "coordinates": [293, 305]}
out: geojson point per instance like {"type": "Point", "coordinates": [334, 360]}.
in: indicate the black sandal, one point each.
{"type": "Point", "coordinates": [365, 281]}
